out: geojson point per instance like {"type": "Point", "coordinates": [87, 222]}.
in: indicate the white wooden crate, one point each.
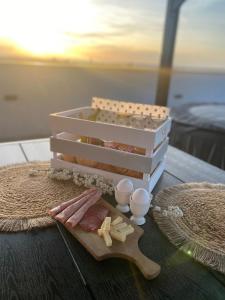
{"type": "Point", "coordinates": [68, 126]}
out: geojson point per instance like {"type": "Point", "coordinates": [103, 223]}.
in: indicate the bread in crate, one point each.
{"type": "Point", "coordinates": [112, 138]}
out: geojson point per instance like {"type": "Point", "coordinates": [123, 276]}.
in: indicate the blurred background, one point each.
{"type": "Point", "coordinates": [57, 55]}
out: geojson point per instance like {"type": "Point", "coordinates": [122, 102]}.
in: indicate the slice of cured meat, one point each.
{"type": "Point", "coordinates": [94, 217]}
{"type": "Point", "coordinates": [78, 215]}
{"type": "Point", "coordinates": [58, 209]}
{"type": "Point", "coordinates": [71, 209]}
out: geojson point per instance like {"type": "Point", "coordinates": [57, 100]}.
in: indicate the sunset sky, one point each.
{"type": "Point", "coordinates": [112, 31]}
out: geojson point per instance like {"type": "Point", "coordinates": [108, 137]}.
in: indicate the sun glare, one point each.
{"type": "Point", "coordinates": [42, 27]}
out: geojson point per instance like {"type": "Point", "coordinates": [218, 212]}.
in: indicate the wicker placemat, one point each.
{"type": "Point", "coordinates": [26, 196]}
{"type": "Point", "coordinates": [192, 216]}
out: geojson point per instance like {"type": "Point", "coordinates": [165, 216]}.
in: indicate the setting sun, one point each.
{"type": "Point", "coordinates": [41, 27]}
{"type": "Point", "coordinates": [72, 30]}
{"type": "Point", "coordinates": [101, 31]}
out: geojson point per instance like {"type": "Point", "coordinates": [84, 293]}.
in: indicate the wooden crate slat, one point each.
{"type": "Point", "coordinates": [156, 175]}
{"type": "Point", "coordinates": [162, 132]}
{"type": "Point", "coordinates": [108, 132]}
{"type": "Point", "coordinates": [147, 184]}
{"type": "Point", "coordinates": [59, 163]}
{"type": "Point", "coordinates": [101, 154]}
{"type": "Point", "coordinates": [159, 154]}
{"type": "Point", "coordinates": [70, 112]}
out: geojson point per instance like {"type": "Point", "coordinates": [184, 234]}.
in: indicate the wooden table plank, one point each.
{"type": "Point", "coordinates": [191, 169]}
{"type": "Point", "coordinates": [11, 154]}
{"type": "Point", "coordinates": [36, 265]}
{"type": "Point", "coordinates": [37, 150]}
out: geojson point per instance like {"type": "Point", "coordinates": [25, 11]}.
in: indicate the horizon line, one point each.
{"type": "Point", "coordinates": [104, 64]}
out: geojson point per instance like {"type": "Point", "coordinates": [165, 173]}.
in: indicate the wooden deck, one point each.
{"type": "Point", "coordinates": [50, 264]}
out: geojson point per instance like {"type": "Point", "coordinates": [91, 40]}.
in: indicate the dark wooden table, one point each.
{"type": "Point", "coordinates": [51, 264]}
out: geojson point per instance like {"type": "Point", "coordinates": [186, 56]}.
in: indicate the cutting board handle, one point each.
{"type": "Point", "coordinates": [149, 268]}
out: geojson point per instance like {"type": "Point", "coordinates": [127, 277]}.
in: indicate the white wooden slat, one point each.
{"type": "Point", "coordinates": [37, 150]}
{"type": "Point", "coordinates": [147, 184]}
{"type": "Point", "coordinates": [70, 112]}
{"type": "Point", "coordinates": [101, 154]}
{"type": "Point", "coordinates": [59, 163]}
{"type": "Point", "coordinates": [162, 132]}
{"type": "Point", "coordinates": [11, 154]}
{"type": "Point", "coordinates": [159, 154]}
{"type": "Point", "coordinates": [145, 164]}
{"type": "Point", "coordinates": [108, 132]}
{"type": "Point", "coordinates": [156, 175]}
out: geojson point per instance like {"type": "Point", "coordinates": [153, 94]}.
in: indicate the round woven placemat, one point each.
{"type": "Point", "coordinates": [200, 232]}
{"type": "Point", "coordinates": [25, 199]}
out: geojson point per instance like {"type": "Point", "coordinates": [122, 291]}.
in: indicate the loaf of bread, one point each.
{"type": "Point", "coordinates": [69, 158]}
{"type": "Point", "coordinates": [103, 166]}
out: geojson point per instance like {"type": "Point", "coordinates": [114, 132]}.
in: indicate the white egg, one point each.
{"type": "Point", "coordinates": [125, 185]}
{"type": "Point", "coordinates": [140, 196]}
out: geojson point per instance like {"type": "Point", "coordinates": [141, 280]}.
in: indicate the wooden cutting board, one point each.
{"type": "Point", "coordinates": [127, 250]}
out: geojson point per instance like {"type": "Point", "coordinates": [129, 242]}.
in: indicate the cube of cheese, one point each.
{"type": "Point", "coordinates": [107, 238]}
{"type": "Point", "coordinates": [106, 224]}
{"type": "Point", "coordinates": [127, 230]}
{"type": "Point", "coordinates": [119, 236]}
{"type": "Point", "coordinates": [117, 220]}
{"type": "Point", "coordinates": [100, 232]}
{"type": "Point", "coordinates": [120, 226]}
{"type": "Point", "coordinates": [102, 226]}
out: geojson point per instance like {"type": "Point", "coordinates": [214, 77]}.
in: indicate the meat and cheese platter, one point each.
{"type": "Point", "coordinates": [103, 230]}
